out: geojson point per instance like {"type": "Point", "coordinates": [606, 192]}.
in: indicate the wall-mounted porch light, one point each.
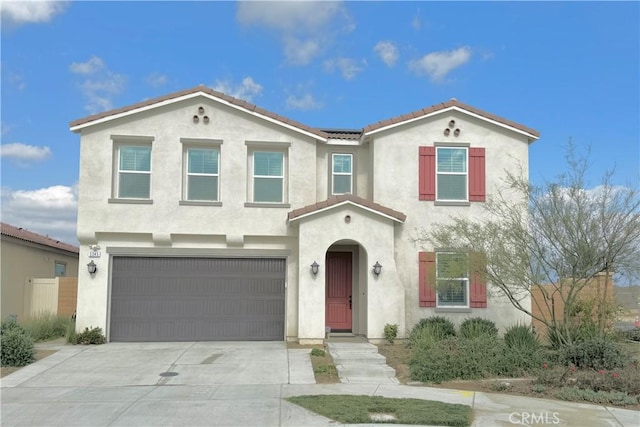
{"type": "Point", "coordinates": [92, 267]}
{"type": "Point", "coordinates": [377, 268]}
{"type": "Point", "coordinates": [314, 268]}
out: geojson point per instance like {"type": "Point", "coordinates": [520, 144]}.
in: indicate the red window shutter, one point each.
{"type": "Point", "coordinates": [427, 279]}
{"type": "Point", "coordinates": [477, 191]}
{"type": "Point", "coordinates": [427, 173]}
{"type": "Point", "coordinates": [478, 282]}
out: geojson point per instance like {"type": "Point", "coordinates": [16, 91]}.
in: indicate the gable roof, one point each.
{"type": "Point", "coordinates": [344, 199]}
{"type": "Point", "coordinates": [322, 134]}
{"type": "Point", "coordinates": [30, 236]}
{"type": "Point", "coordinates": [452, 104]}
{"type": "Point", "coordinates": [171, 98]}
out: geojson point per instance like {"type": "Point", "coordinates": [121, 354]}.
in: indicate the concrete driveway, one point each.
{"type": "Point", "coordinates": [154, 384]}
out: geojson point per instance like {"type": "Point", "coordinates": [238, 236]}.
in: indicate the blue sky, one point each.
{"type": "Point", "coordinates": [570, 70]}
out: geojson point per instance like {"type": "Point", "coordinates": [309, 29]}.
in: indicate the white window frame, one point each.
{"type": "Point", "coordinates": [282, 177]}
{"type": "Point", "coordinates": [55, 268]}
{"type": "Point", "coordinates": [188, 174]}
{"type": "Point", "coordinates": [465, 279]}
{"type": "Point", "coordinates": [120, 141]}
{"type": "Point", "coordinates": [334, 174]}
{"type": "Point", "coordinates": [465, 173]}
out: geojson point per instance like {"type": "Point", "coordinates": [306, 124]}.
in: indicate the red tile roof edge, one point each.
{"type": "Point", "coordinates": [443, 106]}
{"type": "Point", "coordinates": [230, 99]}
{"type": "Point", "coordinates": [30, 236]}
{"type": "Point", "coordinates": [335, 200]}
{"type": "Point", "coordinates": [316, 131]}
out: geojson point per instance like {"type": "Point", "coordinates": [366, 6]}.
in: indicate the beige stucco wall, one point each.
{"type": "Point", "coordinates": [23, 260]}
{"type": "Point", "coordinates": [396, 186]}
{"type": "Point", "coordinates": [386, 171]}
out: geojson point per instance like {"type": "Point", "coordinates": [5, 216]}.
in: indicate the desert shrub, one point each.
{"type": "Point", "coordinates": [598, 353]}
{"type": "Point", "coordinates": [631, 335]}
{"type": "Point", "coordinates": [48, 326]}
{"type": "Point", "coordinates": [522, 351]}
{"type": "Point", "coordinates": [390, 332]}
{"type": "Point", "coordinates": [16, 345]}
{"type": "Point", "coordinates": [88, 336]}
{"type": "Point", "coordinates": [600, 397]}
{"type": "Point", "coordinates": [521, 336]}
{"type": "Point", "coordinates": [476, 327]}
{"type": "Point", "coordinates": [453, 358]}
{"type": "Point", "coordinates": [318, 352]}
{"type": "Point", "coordinates": [437, 327]}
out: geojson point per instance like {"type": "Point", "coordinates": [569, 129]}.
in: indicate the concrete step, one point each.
{"type": "Point", "coordinates": [351, 348]}
{"type": "Point", "coordinates": [359, 358]}
{"type": "Point", "coordinates": [365, 370]}
{"type": "Point", "coordinates": [369, 380]}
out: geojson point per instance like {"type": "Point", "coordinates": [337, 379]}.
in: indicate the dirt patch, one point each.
{"type": "Point", "coordinates": [398, 356]}
{"type": "Point", "coordinates": [324, 370]}
{"type": "Point", "coordinates": [40, 354]}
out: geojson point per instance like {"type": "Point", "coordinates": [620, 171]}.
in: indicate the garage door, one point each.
{"type": "Point", "coordinates": [197, 299]}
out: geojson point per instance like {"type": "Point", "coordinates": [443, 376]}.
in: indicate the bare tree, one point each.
{"type": "Point", "coordinates": [559, 235]}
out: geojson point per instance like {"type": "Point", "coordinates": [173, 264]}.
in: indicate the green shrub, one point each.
{"type": "Point", "coordinates": [390, 332]}
{"type": "Point", "coordinates": [476, 327]}
{"type": "Point", "coordinates": [631, 335]}
{"type": "Point", "coordinates": [522, 351]}
{"type": "Point", "coordinates": [600, 397]}
{"type": "Point", "coordinates": [454, 358]}
{"type": "Point", "coordinates": [48, 326]}
{"type": "Point", "coordinates": [597, 353]}
{"type": "Point", "coordinates": [521, 336]}
{"type": "Point", "coordinates": [88, 336]}
{"type": "Point", "coordinates": [16, 345]}
{"type": "Point", "coordinates": [317, 352]}
{"type": "Point", "coordinates": [437, 327]}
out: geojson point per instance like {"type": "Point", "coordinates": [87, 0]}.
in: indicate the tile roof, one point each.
{"type": "Point", "coordinates": [29, 236]}
{"type": "Point", "coordinates": [230, 99]}
{"type": "Point", "coordinates": [353, 134]}
{"type": "Point", "coordinates": [443, 106]}
{"type": "Point", "coordinates": [337, 200]}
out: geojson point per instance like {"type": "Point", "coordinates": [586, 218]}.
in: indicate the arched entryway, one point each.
{"type": "Point", "coordinates": [345, 288]}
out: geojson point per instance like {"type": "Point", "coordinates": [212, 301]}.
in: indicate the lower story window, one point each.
{"type": "Point", "coordinates": [452, 276]}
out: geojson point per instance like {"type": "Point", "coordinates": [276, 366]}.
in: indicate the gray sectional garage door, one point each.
{"type": "Point", "coordinates": [197, 299]}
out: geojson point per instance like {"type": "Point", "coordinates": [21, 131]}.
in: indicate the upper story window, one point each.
{"type": "Point", "coordinates": [342, 174]}
{"type": "Point", "coordinates": [202, 178]}
{"type": "Point", "coordinates": [268, 176]}
{"type": "Point", "coordinates": [452, 279]}
{"type": "Point", "coordinates": [134, 172]}
{"type": "Point", "coordinates": [451, 174]}
{"type": "Point", "coordinates": [60, 269]}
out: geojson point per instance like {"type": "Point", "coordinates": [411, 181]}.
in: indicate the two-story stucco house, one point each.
{"type": "Point", "coordinates": [218, 220]}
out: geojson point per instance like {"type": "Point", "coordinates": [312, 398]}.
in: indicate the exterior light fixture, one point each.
{"type": "Point", "coordinates": [314, 268]}
{"type": "Point", "coordinates": [377, 268]}
{"type": "Point", "coordinates": [92, 267]}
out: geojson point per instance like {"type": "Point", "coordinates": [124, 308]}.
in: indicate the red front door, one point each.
{"type": "Point", "coordinates": [338, 291]}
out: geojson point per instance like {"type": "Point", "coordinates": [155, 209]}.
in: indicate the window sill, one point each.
{"type": "Point", "coordinates": [194, 203]}
{"type": "Point", "coordinates": [453, 310]}
{"type": "Point", "coordinates": [266, 205]}
{"type": "Point", "coordinates": [437, 203]}
{"type": "Point", "coordinates": [132, 201]}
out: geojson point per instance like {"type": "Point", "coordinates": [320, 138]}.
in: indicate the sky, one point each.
{"type": "Point", "coordinates": [570, 70]}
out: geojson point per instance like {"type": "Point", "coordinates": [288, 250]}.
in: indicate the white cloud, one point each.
{"type": "Point", "coordinates": [100, 84]}
{"type": "Point", "coordinates": [305, 27]}
{"type": "Point", "coordinates": [416, 22]}
{"type": "Point", "coordinates": [245, 90]}
{"type": "Point", "coordinates": [30, 12]}
{"type": "Point", "coordinates": [24, 153]}
{"type": "Point", "coordinates": [387, 51]}
{"type": "Point", "coordinates": [93, 65]}
{"type": "Point", "coordinates": [438, 64]}
{"type": "Point", "coordinates": [348, 67]}
{"type": "Point", "coordinates": [50, 211]}
{"type": "Point", "coordinates": [303, 102]}
{"type": "Point", "coordinates": [156, 79]}
{"type": "Point", "coordinates": [17, 80]}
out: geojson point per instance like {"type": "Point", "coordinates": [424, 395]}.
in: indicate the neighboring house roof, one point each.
{"type": "Point", "coordinates": [344, 199]}
{"type": "Point", "coordinates": [322, 134]}
{"type": "Point", "coordinates": [30, 236]}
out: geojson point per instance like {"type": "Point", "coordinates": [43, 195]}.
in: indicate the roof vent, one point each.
{"type": "Point", "coordinates": [453, 99]}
